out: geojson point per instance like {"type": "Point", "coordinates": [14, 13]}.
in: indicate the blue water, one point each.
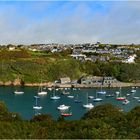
{"type": "Point", "coordinates": [23, 104]}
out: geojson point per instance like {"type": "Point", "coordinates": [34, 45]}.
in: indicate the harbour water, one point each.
{"type": "Point", "coordinates": [23, 104]}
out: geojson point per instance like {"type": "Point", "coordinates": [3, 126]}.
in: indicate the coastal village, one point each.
{"type": "Point", "coordinates": [82, 52]}
{"type": "Point", "coordinates": [86, 52]}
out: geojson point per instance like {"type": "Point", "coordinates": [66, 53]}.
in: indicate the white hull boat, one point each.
{"type": "Point", "coordinates": [63, 107]}
{"type": "Point", "coordinates": [89, 106]}
{"type": "Point", "coordinates": [18, 92]}
{"type": "Point", "coordinates": [55, 97]}
{"type": "Point", "coordinates": [42, 93]}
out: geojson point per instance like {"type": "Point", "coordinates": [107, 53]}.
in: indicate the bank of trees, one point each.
{"type": "Point", "coordinates": [102, 122]}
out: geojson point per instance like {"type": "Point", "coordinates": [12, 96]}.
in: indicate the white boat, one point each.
{"type": "Point", "coordinates": [63, 107]}
{"type": "Point", "coordinates": [117, 92]}
{"type": "Point", "coordinates": [70, 96]}
{"type": "Point", "coordinates": [136, 97]}
{"type": "Point", "coordinates": [90, 97]}
{"type": "Point", "coordinates": [49, 89]}
{"type": "Point", "coordinates": [65, 92]}
{"type": "Point", "coordinates": [40, 90]}
{"type": "Point", "coordinates": [97, 99]}
{"type": "Point", "coordinates": [133, 90]}
{"type": "Point", "coordinates": [77, 100]}
{"type": "Point", "coordinates": [42, 93]}
{"type": "Point", "coordinates": [55, 97]}
{"type": "Point", "coordinates": [120, 97]}
{"type": "Point", "coordinates": [36, 104]}
{"type": "Point", "coordinates": [101, 91]}
{"type": "Point", "coordinates": [18, 92]}
{"type": "Point", "coordinates": [125, 102]}
{"type": "Point", "coordinates": [88, 105]}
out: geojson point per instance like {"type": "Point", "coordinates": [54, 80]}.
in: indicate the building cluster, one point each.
{"type": "Point", "coordinates": [89, 52]}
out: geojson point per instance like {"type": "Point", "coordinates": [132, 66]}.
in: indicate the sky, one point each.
{"type": "Point", "coordinates": [69, 21]}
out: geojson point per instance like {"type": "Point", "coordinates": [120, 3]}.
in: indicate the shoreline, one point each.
{"type": "Point", "coordinates": [50, 84]}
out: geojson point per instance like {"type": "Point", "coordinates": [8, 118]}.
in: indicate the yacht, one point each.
{"type": "Point", "coordinates": [41, 90]}
{"type": "Point", "coordinates": [101, 91]}
{"type": "Point", "coordinates": [125, 102]}
{"type": "Point", "coordinates": [120, 97]}
{"type": "Point", "coordinates": [18, 92]}
{"type": "Point", "coordinates": [97, 99]}
{"type": "Point", "coordinates": [55, 97]}
{"type": "Point", "coordinates": [36, 104]}
{"type": "Point", "coordinates": [63, 107]}
{"type": "Point", "coordinates": [88, 105]}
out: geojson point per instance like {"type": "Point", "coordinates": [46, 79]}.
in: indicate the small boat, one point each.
{"type": "Point", "coordinates": [65, 92]}
{"type": "Point", "coordinates": [125, 102]}
{"type": "Point", "coordinates": [63, 107]}
{"type": "Point", "coordinates": [70, 96]}
{"type": "Point", "coordinates": [97, 99]}
{"type": "Point", "coordinates": [117, 92]}
{"type": "Point", "coordinates": [18, 92]}
{"type": "Point", "coordinates": [36, 105]}
{"type": "Point", "coordinates": [133, 90]}
{"type": "Point", "coordinates": [55, 97]}
{"type": "Point", "coordinates": [66, 114]}
{"type": "Point", "coordinates": [90, 97]}
{"type": "Point", "coordinates": [88, 105]}
{"type": "Point", "coordinates": [128, 94]}
{"type": "Point", "coordinates": [101, 91]}
{"type": "Point", "coordinates": [77, 100]}
{"type": "Point", "coordinates": [119, 97]}
{"type": "Point", "coordinates": [42, 93]}
{"type": "Point", "coordinates": [40, 90]}
{"type": "Point", "coordinates": [49, 89]}
{"type": "Point", "coordinates": [109, 95]}
{"type": "Point", "coordinates": [136, 97]}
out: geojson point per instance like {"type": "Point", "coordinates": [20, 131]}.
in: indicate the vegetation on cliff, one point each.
{"type": "Point", "coordinates": [33, 66]}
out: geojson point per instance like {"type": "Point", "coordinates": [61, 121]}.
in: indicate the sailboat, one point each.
{"type": "Point", "coordinates": [102, 91]}
{"type": "Point", "coordinates": [66, 113]}
{"type": "Point", "coordinates": [109, 94]}
{"type": "Point", "coordinates": [18, 92]}
{"type": "Point", "coordinates": [55, 97]}
{"type": "Point", "coordinates": [119, 97]}
{"type": "Point", "coordinates": [77, 100]}
{"type": "Point", "coordinates": [133, 90]}
{"type": "Point", "coordinates": [88, 105]}
{"type": "Point", "coordinates": [40, 90]}
{"type": "Point", "coordinates": [125, 102]}
{"type": "Point", "coordinates": [97, 99]}
{"type": "Point", "coordinates": [63, 107]}
{"type": "Point", "coordinates": [36, 104]}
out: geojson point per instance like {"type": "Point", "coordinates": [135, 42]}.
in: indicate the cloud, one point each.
{"type": "Point", "coordinates": [72, 22]}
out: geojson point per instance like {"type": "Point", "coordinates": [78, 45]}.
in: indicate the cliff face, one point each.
{"type": "Point", "coordinates": [18, 82]}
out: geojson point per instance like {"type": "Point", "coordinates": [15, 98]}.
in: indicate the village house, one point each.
{"type": "Point", "coordinates": [91, 80]}
{"type": "Point", "coordinates": [65, 80]}
{"type": "Point", "coordinates": [109, 80]}
{"type": "Point", "coordinates": [97, 80]}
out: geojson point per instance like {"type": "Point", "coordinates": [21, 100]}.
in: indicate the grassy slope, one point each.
{"type": "Point", "coordinates": [38, 65]}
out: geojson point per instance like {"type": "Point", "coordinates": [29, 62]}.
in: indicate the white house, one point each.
{"type": "Point", "coordinates": [130, 59]}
